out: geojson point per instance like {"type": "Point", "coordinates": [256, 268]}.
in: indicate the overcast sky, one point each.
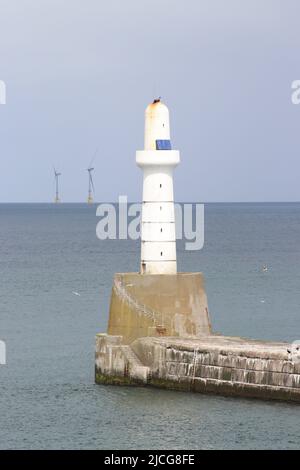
{"type": "Point", "coordinates": [79, 74]}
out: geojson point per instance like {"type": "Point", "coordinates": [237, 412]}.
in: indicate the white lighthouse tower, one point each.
{"type": "Point", "coordinates": [157, 160]}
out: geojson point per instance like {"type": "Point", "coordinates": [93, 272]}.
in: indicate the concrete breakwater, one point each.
{"type": "Point", "coordinates": [184, 354]}
{"type": "Point", "coordinates": [215, 364]}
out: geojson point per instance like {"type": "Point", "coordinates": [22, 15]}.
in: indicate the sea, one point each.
{"type": "Point", "coordinates": [56, 279]}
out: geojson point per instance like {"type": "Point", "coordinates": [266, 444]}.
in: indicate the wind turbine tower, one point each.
{"type": "Point", "coordinates": [56, 175]}
{"type": "Point", "coordinates": [90, 169]}
{"type": "Point", "coordinates": [90, 199]}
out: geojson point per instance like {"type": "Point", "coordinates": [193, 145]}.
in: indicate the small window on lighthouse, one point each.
{"type": "Point", "coordinates": [160, 185]}
{"type": "Point", "coordinates": [161, 229]}
{"type": "Point", "coordinates": [161, 253]}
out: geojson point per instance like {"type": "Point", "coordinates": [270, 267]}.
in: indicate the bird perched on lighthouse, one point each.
{"type": "Point", "coordinates": [157, 160]}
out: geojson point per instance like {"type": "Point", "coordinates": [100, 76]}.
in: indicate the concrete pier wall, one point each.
{"type": "Point", "coordinates": [222, 365]}
{"type": "Point", "coordinates": [213, 364]}
{"type": "Point", "coordinates": [159, 334]}
{"type": "Point", "coordinates": [117, 363]}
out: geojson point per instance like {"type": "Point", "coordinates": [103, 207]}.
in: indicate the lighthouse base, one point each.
{"type": "Point", "coordinates": [158, 305]}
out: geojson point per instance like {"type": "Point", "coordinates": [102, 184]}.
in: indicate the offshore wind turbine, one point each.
{"type": "Point", "coordinates": [56, 176]}
{"type": "Point", "coordinates": [91, 190]}
{"type": "Point", "coordinates": [90, 199]}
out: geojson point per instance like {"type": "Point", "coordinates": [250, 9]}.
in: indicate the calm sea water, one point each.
{"type": "Point", "coordinates": [48, 397]}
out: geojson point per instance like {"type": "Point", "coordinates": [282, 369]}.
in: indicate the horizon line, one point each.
{"type": "Point", "coordinates": [134, 202]}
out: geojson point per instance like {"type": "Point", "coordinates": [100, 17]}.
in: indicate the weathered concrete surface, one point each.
{"type": "Point", "coordinates": [223, 365]}
{"type": "Point", "coordinates": [209, 364]}
{"type": "Point", "coordinates": [158, 305]}
{"type": "Point", "coordinates": [117, 363]}
{"type": "Point", "coordinates": [159, 334]}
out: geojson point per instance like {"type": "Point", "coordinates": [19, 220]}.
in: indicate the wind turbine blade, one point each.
{"type": "Point", "coordinates": [93, 158]}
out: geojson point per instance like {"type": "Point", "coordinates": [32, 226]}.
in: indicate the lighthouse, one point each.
{"type": "Point", "coordinates": [157, 161]}
{"type": "Point", "coordinates": [159, 331]}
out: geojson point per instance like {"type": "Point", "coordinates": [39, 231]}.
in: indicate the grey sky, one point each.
{"type": "Point", "coordinates": [79, 74]}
